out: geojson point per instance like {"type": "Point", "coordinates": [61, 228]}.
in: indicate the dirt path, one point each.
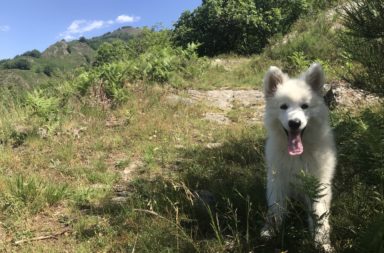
{"type": "Point", "coordinates": [224, 102]}
{"type": "Point", "coordinates": [249, 104]}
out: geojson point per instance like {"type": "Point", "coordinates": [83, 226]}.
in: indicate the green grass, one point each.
{"type": "Point", "coordinates": [187, 197]}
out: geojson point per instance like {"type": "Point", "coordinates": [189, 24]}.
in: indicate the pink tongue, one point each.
{"type": "Point", "coordinates": [295, 146]}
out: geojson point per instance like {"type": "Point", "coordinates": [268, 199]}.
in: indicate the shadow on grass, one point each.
{"type": "Point", "coordinates": [215, 204]}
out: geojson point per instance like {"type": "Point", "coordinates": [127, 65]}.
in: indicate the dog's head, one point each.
{"type": "Point", "coordinates": [293, 103]}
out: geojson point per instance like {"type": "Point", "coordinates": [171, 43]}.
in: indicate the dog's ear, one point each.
{"type": "Point", "coordinates": [272, 79]}
{"type": "Point", "coordinates": [315, 77]}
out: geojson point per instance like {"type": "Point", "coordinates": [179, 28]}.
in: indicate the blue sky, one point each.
{"type": "Point", "coordinates": [36, 24]}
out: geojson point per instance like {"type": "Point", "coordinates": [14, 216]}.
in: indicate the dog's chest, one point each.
{"type": "Point", "coordinates": [291, 166]}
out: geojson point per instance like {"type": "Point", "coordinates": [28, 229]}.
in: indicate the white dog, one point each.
{"type": "Point", "coordinates": [299, 140]}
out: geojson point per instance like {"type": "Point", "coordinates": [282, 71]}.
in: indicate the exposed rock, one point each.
{"type": "Point", "coordinates": [230, 63]}
{"type": "Point", "coordinates": [219, 118]}
{"type": "Point", "coordinates": [226, 99]}
{"type": "Point", "coordinates": [119, 200]}
{"type": "Point", "coordinates": [59, 50]}
{"type": "Point", "coordinates": [214, 145]}
{"type": "Point", "coordinates": [174, 100]}
{"type": "Point", "coordinates": [342, 95]}
{"type": "Point", "coordinates": [132, 168]}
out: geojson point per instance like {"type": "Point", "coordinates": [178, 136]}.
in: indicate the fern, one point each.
{"type": "Point", "coordinates": [43, 106]}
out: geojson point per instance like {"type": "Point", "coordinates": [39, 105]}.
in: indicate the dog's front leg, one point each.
{"type": "Point", "coordinates": [321, 209]}
{"type": "Point", "coordinates": [277, 205]}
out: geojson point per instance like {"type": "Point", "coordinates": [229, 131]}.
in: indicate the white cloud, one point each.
{"type": "Point", "coordinates": [78, 27]}
{"type": "Point", "coordinates": [4, 28]}
{"type": "Point", "coordinates": [127, 19]}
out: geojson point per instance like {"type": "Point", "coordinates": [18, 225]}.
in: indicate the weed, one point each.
{"type": "Point", "coordinates": [54, 193]}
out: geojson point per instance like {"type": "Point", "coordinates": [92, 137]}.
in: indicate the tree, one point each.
{"type": "Point", "coordinates": [82, 39]}
{"type": "Point", "coordinates": [239, 26]}
{"type": "Point", "coordinates": [33, 53]}
{"type": "Point", "coordinates": [18, 63]}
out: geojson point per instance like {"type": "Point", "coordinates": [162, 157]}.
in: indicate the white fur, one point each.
{"type": "Point", "coordinates": [319, 154]}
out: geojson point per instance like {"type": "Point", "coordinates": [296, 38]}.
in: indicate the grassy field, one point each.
{"type": "Point", "coordinates": [154, 176]}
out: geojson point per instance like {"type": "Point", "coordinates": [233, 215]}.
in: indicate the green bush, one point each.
{"type": "Point", "coordinates": [156, 64]}
{"type": "Point", "coordinates": [48, 70]}
{"type": "Point", "coordinates": [147, 39]}
{"type": "Point", "coordinates": [33, 53]}
{"type": "Point", "coordinates": [113, 79]}
{"type": "Point", "coordinates": [154, 60]}
{"type": "Point", "coordinates": [239, 26]}
{"type": "Point", "coordinates": [358, 185]}
{"type": "Point", "coordinates": [363, 42]}
{"type": "Point", "coordinates": [109, 52]}
{"type": "Point", "coordinates": [18, 63]}
{"type": "Point", "coordinates": [42, 105]}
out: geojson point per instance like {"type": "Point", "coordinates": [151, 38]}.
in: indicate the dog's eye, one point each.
{"type": "Point", "coordinates": [284, 107]}
{"type": "Point", "coordinates": [304, 106]}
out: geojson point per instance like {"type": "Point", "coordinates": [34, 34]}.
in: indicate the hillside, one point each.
{"type": "Point", "coordinates": [159, 149]}
{"type": "Point", "coordinates": [58, 59]}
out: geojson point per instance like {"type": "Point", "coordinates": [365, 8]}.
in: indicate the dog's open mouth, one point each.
{"type": "Point", "coordinates": [295, 145]}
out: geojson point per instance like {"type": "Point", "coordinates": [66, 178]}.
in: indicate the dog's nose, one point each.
{"type": "Point", "coordinates": [294, 124]}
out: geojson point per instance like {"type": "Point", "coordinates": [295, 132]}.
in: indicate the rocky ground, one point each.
{"type": "Point", "coordinates": [337, 95]}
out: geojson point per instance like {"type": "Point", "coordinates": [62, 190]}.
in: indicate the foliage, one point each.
{"type": "Point", "coordinates": [43, 105]}
{"type": "Point", "coordinates": [150, 58]}
{"type": "Point", "coordinates": [313, 40]}
{"type": "Point", "coordinates": [358, 187]}
{"type": "Point", "coordinates": [147, 39]}
{"type": "Point", "coordinates": [34, 53]}
{"type": "Point", "coordinates": [82, 39]}
{"type": "Point", "coordinates": [110, 52]}
{"type": "Point", "coordinates": [113, 77]}
{"type": "Point", "coordinates": [299, 62]}
{"type": "Point", "coordinates": [239, 26]}
{"type": "Point", "coordinates": [363, 42]}
{"type": "Point", "coordinates": [18, 63]}
{"type": "Point", "coordinates": [105, 83]}
{"type": "Point", "coordinates": [48, 70]}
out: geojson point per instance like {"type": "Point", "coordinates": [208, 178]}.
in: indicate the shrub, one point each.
{"type": "Point", "coordinates": [358, 186]}
{"type": "Point", "coordinates": [43, 106]}
{"type": "Point", "coordinates": [147, 39]}
{"type": "Point", "coordinates": [48, 70]}
{"type": "Point", "coordinates": [18, 63]}
{"type": "Point", "coordinates": [363, 42]}
{"type": "Point", "coordinates": [33, 53]}
{"type": "Point", "coordinates": [156, 64]}
{"type": "Point", "coordinates": [240, 26]}
{"type": "Point", "coordinates": [82, 39]}
{"type": "Point", "coordinates": [113, 79]}
{"type": "Point", "coordinates": [109, 52]}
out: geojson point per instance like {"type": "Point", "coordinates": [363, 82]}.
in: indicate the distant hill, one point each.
{"type": "Point", "coordinates": [32, 67]}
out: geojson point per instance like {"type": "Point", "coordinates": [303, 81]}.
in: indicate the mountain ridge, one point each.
{"type": "Point", "coordinates": [33, 67]}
